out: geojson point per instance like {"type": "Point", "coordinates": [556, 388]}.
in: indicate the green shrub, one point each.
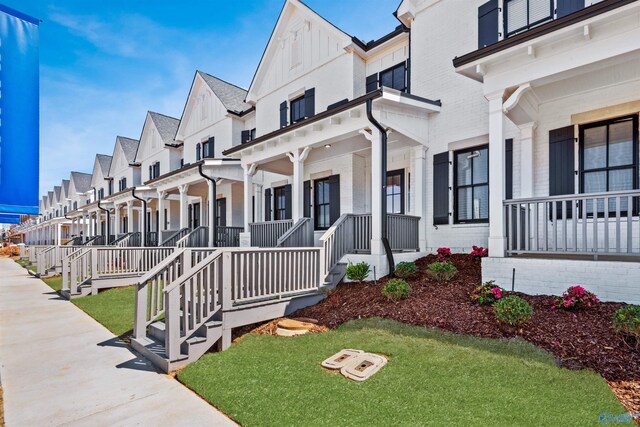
{"type": "Point", "coordinates": [626, 321]}
{"type": "Point", "coordinates": [396, 289]}
{"type": "Point", "coordinates": [442, 271]}
{"type": "Point", "coordinates": [512, 310]}
{"type": "Point", "coordinates": [405, 269]}
{"type": "Point", "coordinates": [358, 272]}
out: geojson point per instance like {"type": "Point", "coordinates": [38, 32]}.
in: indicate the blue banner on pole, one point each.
{"type": "Point", "coordinates": [19, 112]}
{"type": "Point", "coordinates": [9, 219]}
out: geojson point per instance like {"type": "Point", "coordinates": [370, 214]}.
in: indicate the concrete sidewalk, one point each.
{"type": "Point", "coordinates": [59, 366]}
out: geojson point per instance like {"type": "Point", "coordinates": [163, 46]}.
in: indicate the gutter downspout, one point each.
{"type": "Point", "coordinates": [383, 182]}
{"type": "Point", "coordinates": [143, 233]}
{"type": "Point", "coordinates": [212, 206]}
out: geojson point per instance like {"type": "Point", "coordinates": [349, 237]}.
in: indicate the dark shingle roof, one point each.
{"type": "Point", "coordinates": [232, 97]}
{"type": "Point", "coordinates": [129, 146]}
{"type": "Point", "coordinates": [81, 181]}
{"type": "Point", "coordinates": [105, 163]}
{"type": "Point", "coordinates": [57, 189]}
{"type": "Point", "coordinates": [167, 127]}
{"type": "Point", "coordinates": [65, 186]}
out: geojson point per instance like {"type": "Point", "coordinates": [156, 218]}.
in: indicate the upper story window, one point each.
{"type": "Point", "coordinates": [122, 184]}
{"type": "Point", "coordinates": [248, 135]}
{"type": "Point", "coordinates": [394, 77]}
{"type": "Point", "coordinates": [297, 110]}
{"type": "Point", "coordinates": [520, 15]}
{"type": "Point", "coordinates": [110, 187]}
{"type": "Point", "coordinates": [208, 148]}
{"type": "Point", "coordinates": [75, 205]}
{"type": "Point", "coordinates": [300, 108]}
{"type": "Point", "coordinates": [471, 193]}
{"type": "Point", "coordinates": [154, 170]}
{"type": "Point", "coordinates": [101, 194]}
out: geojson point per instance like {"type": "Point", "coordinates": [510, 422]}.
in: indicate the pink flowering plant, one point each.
{"type": "Point", "coordinates": [575, 298]}
{"type": "Point", "coordinates": [479, 252]}
{"type": "Point", "coordinates": [444, 254]}
{"type": "Point", "coordinates": [487, 293]}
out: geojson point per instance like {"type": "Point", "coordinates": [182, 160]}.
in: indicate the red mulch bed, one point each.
{"type": "Point", "coordinates": [583, 340]}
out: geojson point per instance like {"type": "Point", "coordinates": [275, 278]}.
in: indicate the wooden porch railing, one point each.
{"type": "Point", "coordinates": [34, 250]}
{"type": "Point", "coordinates": [95, 241]}
{"type": "Point", "coordinates": [266, 234]}
{"type": "Point", "coordinates": [198, 238]}
{"type": "Point", "coordinates": [130, 240]}
{"type": "Point", "coordinates": [583, 224]}
{"type": "Point", "coordinates": [52, 257]}
{"type": "Point", "coordinates": [228, 237]}
{"type": "Point", "coordinates": [172, 240]}
{"type": "Point", "coordinates": [402, 232]}
{"type": "Point", "coordinates": [298, 236]}
{"type": "Point", "coordinates": [221, 280]}
{"type": "Point", "coordinates": [109, 262]}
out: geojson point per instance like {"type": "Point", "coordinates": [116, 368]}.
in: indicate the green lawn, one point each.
{"type": "Point", "coordinates": [23, 262]}
{"type": "Point", "coordinates": [54, 283]}
{"type": "Point", "coordinates": [432, 378]}
{"type": "Point", "coordinates": [113, 308]}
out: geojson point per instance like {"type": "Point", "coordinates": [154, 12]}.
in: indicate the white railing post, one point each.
{"type": "Point", "coordinates": [172, 323]}
{"type": "Point", "coordinates": [140, 314]}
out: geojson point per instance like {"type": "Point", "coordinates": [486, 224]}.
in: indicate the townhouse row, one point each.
{"type": "Point", "coordinates": [507, 124]}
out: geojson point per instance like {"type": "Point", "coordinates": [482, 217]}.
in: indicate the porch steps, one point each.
{"type": "Point", "coordinates": [334, 277]}
{"type": "Point", "coordinates": [153, 346]}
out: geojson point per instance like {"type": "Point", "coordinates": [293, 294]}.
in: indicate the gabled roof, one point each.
{"type": "Point", "coordinates": [65, 187]}
{"type": "Point", "coordinates": [50, 198]}
{"type": "Point", "coordinates": [231, 96]}
{"type": "Point", "coordinates": [167, 127]}
{"type": "Point", "coordinates": [81, 181]}
{"type": "Point", "coordinates": [105, 163]}
{"type": "Point", "coordinates": [287, 9]}
{"type": "Point", "coordinates": [129, 147]}
{"type": "Point", "coordinates": [57, 190]}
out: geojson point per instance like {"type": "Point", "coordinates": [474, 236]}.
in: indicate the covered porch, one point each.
{"type": "Point", "coordinates": [336, 173]}
{"type": "Point", "coordinates": [564, 188]}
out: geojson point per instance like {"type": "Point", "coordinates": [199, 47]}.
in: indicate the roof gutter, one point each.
{"type": "Point", "coordinates": [212, 208]}
{"type": "Point", "coordinates": [383, 185]}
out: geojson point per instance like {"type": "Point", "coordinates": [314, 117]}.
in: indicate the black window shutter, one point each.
{"type": "Point", "coordinates": [150, 172]}
{"type": "Point", "coordinates": [310, 102]}
{"type": "Point", "coordinates": [198, 151]}
{"type": "Point", "coordinates": [222, 203]}
{"type": "Point", "coordinates": [508, 160]}
{"type": "Point", "coordinates": [307, 199]}
{"type": "Point", "coordinates": [561, 161]}
{"type": "Point", "coordinates": [287, 202]}
{"type": "Point", "coordinates": [488, 24]}
{"type": "Point", "coordinates": [372, 83]}
{"type": "Point", "coordinates": [245, 136]}
{"type": "Point", "coordinates": [211, 144]}
{"type": "Point", "coordinates": [565, 7]}
{"type": "Point", "coordinates": [267, 204]}
{"type": "Point", "coordinates": [561, 166]}
{"type": "Point", "coordinates": [283, 114]}
{"type": "Point", "coordinates": [441, 188]}
{"type": "Point", "coordinates": [334, 198]}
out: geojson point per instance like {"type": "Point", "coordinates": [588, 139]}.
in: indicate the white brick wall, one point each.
{"type": "Point", "coordinates": [609, 280]}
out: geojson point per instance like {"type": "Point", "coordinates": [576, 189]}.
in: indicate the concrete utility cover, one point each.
{"type": "Point", "coordinates": [290, 327]}
{"type": "Point", "coordinates": [363, 366]}
{"type": "Point", "coordinates": [341, 359]}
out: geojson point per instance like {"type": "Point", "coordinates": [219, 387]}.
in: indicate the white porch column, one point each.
{"type": "Point", "coordinates": [130, 216]}
{"type": "Point", "coordinates": [211, 217]}
{"type": "Point", "coordinates": [249, 172]}
{"type": "Point", "coordinates": [419, 193]}
{"type": "Point", "coordinates": [184, 220]}
{"type": "Point", "coordinates": [526, 159]}
{"type": "Point", "coordinates": [297, 206]}
{"type": "Point", "coordinates": [58, 234]}
{"type": "Point", "coordinates": [497, 240]}
{"type": "Point", "coordinates": [258, 197]}
{"type": "Point", "coordinates": [377, 248]}
{"type": "Point", "coordinates": [116, 220]}
{"type": "Point", "coordinates": [161, 206]}
{"type": "Point", "coordinates": [85, 232]}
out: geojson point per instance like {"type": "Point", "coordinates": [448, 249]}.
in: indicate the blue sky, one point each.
{"type": "Point", "coordinates": [104, 64]}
